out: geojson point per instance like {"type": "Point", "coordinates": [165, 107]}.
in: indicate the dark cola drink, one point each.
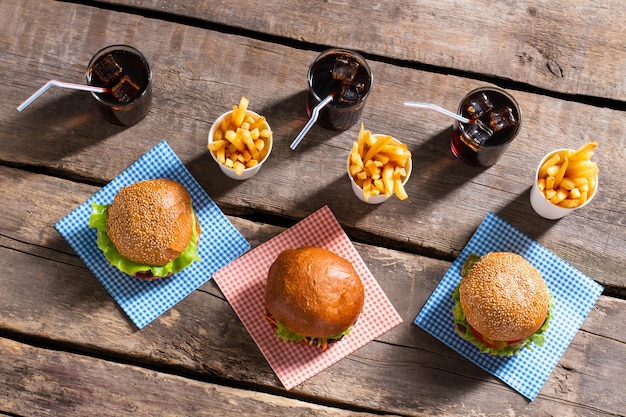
{"type": "Point", "coordinates": [347, 77]}
{"type": "Point", "coordinates": [495, 121]}
{"type": "Point", "coordinates": [127, 73]}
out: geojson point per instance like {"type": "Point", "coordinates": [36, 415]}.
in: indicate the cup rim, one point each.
{"type": "Point", "coordinates": [247, 172]}
{"type": "Point", "coordinates": [377, 199]}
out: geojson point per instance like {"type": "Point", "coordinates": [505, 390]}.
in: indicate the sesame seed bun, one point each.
{"type": "Point", "coordinates": [314, 292]}
{"type": "Point", "coordinates": [504, 297]}
{"type": "Point", "coordinates": [150, 222]}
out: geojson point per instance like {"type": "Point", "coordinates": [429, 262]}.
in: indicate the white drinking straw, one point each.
{"type": "Point", "coordinates": [55, 83]}
{"type": "Point", "coordinates": [439, 109]}
{"type": "Point", "coordinates": [314, 115]}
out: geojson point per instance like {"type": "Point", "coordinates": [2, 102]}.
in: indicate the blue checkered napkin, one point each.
{"type": "Point", "coordinates": [220, 242]}
{"type": "Point", "coordinates": [574, 296]}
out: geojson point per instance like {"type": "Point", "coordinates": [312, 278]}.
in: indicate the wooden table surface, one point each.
{"type": "Point", "coordinates": [67, 349]}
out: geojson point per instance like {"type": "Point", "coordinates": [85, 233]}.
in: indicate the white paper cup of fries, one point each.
{"type": "Point", "coordinates": [565, 180]}
{"type": "Point", "coordinates": [240, 141]}
{"type": "Point", "coordinates": [378, 172]}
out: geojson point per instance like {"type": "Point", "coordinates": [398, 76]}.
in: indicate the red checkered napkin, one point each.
{"type": "Point", "coordinates": [243, 284]}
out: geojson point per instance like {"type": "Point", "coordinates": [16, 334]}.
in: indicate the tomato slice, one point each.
{"type": "Point", "coordinates": [481, 338]}
{"type": "Point", "coordinates": [492, 343]}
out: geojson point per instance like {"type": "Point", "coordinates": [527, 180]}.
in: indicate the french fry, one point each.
{"type": "Point", "coordinates": [220, 155]}
{"type": "Point", "coordinates": [387, 177]}
{"type": "Point", "coordinates": [574, 193]}
{"type": "Point", "coordinates": [377, 146]}
{"type": "Point", "coordinates": [241, 140]}
{"type": "Point", "coordinates": [354, 170]}
{"type": "Point", "coordinates": [217, 144]}
{"type": "Point", "coordinates": [232, 137]}
{"type": "Point", "coordinates": [239, 112]}
{"type": "Point", "coordinates": [541, 184]}
{"type": "Point", "coordinates": [400, 191]}
{"type": "Point", "coordinates": [576, 167]}
{"type": "Point", "coordinates": [225, 125]}
{"type": "Point", "coordinates": [259, 123]}
{"type": "Point", "coordinates": [379, 165]}
{"type": "Point", "coordinates": [584, 153]}
{"type": "Point", "coordinates": [558, 177]}
{"type": "Point", "coordinates": [360, 142]}
{"type": "Point", "coordinates": [569, 203]}
{"type": "Point", "coordinates": [380, 185]}
{"type": "Point", "coordinates": [568, 177]}
{"type": "Point", "coordinates": [367, 188]}
{"type": "Point", "coordinates": [567, 183]}
{"type": "Point", "coordinates": [550, 162]}
{"type": "Point", "coordinates": [560, 195]}
{"type": "Point", "coordinates": [239, 167]}
{"type": "Point", "coordinates": [249, 142]}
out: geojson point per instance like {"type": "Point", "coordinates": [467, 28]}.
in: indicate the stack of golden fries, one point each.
{"type": "Point", "coordinates": [568, 177]}
{"type": "Point", "coordinates": [242, 139]}
{"type": "Point", "coordinates": [379, 164]}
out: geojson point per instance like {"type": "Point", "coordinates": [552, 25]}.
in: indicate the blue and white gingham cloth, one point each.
{"type": "Point", "coordinates": [142, 301]}
{"type": "Point", "coordinates": [574, 295]}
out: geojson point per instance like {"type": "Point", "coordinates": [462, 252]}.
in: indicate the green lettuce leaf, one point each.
{"type": "Point", "coordinates": [284, 333]}
{"type": "Point", "coordinates": [462, 328]}
{"type": "Point", "coordinates": [98, 221]}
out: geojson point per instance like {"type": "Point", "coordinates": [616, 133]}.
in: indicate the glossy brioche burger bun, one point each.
{"type": "Point", "coordinates": [150, 222]}
{"type": "Point", "coordinates": [314, 292]}
{"type": "Point", "coordinates": [504, 297]}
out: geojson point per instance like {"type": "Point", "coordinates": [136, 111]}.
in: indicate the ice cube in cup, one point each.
{"type": "Point", "coordinates": [125, 90]}
{"type": "Point", "coordinates": [478, 132]}
{"type": "Point", "coordinates": [107, 69]}
{"type": "Point", "coordinates": [478, 105]}
{"type": "Point", "coordinates": [501, 119]}
{"type": "Point", "coordinates": [345, 68]}
{"type": "Point", "coordinates": [350, 92]}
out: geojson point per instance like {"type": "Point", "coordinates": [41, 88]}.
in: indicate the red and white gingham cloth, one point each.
{"type": "Point", "coordinates": [243, 284]}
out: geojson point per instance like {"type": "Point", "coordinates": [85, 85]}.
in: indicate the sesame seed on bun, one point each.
{"type": "Point", "coordinates": [504, 297]}
{"type": "Point", "coordinates": [150, 222]}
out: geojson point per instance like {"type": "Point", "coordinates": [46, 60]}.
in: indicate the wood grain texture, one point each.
{"type": "Point", "coordinates": [195, 81]}
{"type": "Point", "coordinates": [68, 349]}
{"type": "Point", "coordinates": [55, 383]}
{"type": "Point", "coordinates": [568, 47]}
{"type": "Point", "coordinates": [404, 372]}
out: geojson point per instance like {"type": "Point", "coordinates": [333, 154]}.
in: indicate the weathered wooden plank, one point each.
{"type": "Point", "coordinates": [195, 80]}
{"type": "Point", "coordinates": [568, 47]}
{"type": "Point", "coordinates": [55, 300]}
{"type": "Point", "coordinates": [41, 382]}
{"type": "Point", "coordinates": [405, 371]}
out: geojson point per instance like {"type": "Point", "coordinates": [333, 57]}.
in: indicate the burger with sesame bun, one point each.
{"type": "Point", "coordinates": [502, 304]}
{"type": "Point", "coordinates": [313, 296]}
{"type": "Point", "coordinates": [150, 230]}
